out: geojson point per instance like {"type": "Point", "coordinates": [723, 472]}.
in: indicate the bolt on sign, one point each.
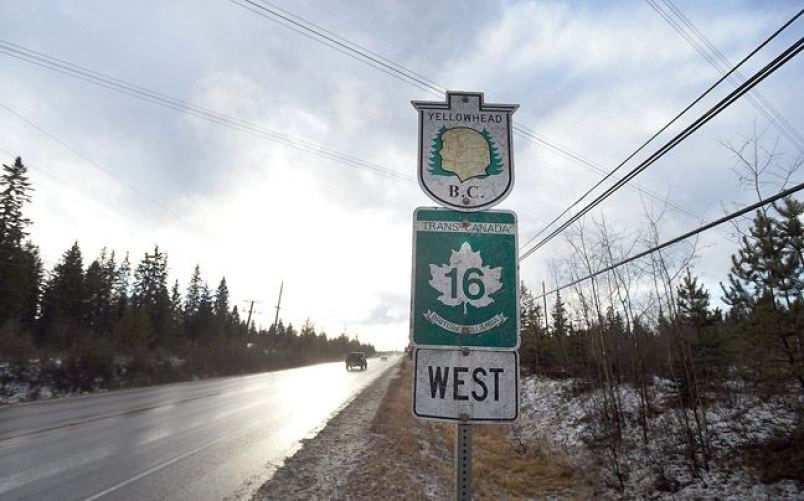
{"type": "Point", "coordinates": [465, 153]}
{"type": "Point", "coordinates": [477, 386]}
{"type": "Point", "coordinates": [465, 280]}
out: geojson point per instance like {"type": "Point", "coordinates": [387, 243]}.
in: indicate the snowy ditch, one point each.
{"type": "Point", "coordinates": [560, 416]}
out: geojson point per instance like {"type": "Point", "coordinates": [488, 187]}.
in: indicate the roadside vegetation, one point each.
{"type": "Point", "coordinates": [674, 390]}
{"type": "Point", "coordinates": [111, 323]}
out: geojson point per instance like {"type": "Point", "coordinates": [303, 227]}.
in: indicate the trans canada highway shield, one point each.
{"type": "Point", "coordinates": [465, 280]}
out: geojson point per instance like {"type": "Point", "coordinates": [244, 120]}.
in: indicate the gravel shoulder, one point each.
{"type": "Point", "coordinates": [320, 468]}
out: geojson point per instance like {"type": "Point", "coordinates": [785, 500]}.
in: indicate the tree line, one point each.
{"type": "Point", "coordinates": [79, 327]}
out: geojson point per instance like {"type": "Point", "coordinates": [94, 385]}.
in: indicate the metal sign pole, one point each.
{"type": "Point", "coordinates": [463, 462]}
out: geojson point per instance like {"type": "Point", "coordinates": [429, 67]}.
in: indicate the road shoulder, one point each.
{"type": "Point", "coordinates": [320, 468]}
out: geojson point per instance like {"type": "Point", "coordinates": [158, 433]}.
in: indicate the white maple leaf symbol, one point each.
{"type": "Point", "coordinates": [465, 280]}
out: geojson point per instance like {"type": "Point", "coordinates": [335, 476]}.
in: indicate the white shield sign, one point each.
{"type": "Point", "coordinates": [467, 386]}
{"type": "Point", "coordinates": [465, 153]}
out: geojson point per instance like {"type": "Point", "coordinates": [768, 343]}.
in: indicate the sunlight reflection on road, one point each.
{"type": "Point", "coordinates": [204, 440]}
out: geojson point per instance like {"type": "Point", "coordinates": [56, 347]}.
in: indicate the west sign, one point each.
{"type": "Point", "coordinates": [465, 153]}
{"type": "Point", "coordinates": [471, 386]}
{"type": "Point", "coordinates": [465, 280]}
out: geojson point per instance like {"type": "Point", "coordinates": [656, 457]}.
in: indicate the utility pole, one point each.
{"type": "Point", "coordinates": [544, 298]}
{"type": "Point", "coordinates": [250, 313]}
{"type": "Point", "coordinates": [250, 310]}
{"type": "Point", "coordinates": [278, 303]}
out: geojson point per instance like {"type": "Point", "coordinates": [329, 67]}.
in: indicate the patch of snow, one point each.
{"type": "Point", "coordinates": [562, 415]}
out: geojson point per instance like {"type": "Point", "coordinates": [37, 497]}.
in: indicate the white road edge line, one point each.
{"type": "Point", "coordinates": [158, 467]}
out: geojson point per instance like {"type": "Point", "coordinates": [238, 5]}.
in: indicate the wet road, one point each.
{"type": "Point", "coordinates": [216, 439]}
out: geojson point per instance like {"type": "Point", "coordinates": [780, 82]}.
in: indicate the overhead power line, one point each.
{"type": "Point", "coordinates": [101, 208]}
{"type": "Point", "coordinates": [698, 41]}
{"type": "Point", "coordinates": [332, 40]}
{"type": "Point", "coordinates": [164, 100]}
{"type": "Point", "coordinates": [680, 238]}
{"type": "Point", "coordinates": [534, 136]}
{"type": "Point", "coordinates": [664, 128]}
{"type": "Point", "coordinates": [758, 77]}
{"type": "Point", "coordinates": [793, 134]}
{"type": "Point", "coordinates": [107, 171]}
{"type": "Point", "coordinates": [307, 28]}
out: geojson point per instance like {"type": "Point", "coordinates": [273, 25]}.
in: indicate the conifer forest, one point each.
{"type": "Point", "coordinates": [115, 320]}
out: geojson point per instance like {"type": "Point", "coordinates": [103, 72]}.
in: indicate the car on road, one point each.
{"type": "Point", "coordinates": [356, 359]}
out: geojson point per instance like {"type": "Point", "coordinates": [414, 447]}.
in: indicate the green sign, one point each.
{"type": "Point", "coordinates": [465, 279]}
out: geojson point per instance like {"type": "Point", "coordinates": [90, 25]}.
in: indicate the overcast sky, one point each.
{"type": "Point", "coordinates": [597, 78]}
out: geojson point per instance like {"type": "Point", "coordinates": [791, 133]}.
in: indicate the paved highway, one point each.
{"type": "Point", "coordinates": [216, 439]}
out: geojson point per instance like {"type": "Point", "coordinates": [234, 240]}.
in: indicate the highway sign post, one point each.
{"type": "Point", "coordinates": [465, 299]}
{"type": "Point", "coordinates": [465, 280]}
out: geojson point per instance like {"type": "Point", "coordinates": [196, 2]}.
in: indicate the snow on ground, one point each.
{"type": "Point", "coordinates": [22, 386]}
{"type": "Point", "coordinates": [561, 414]}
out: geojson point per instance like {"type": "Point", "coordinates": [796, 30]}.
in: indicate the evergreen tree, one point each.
{"type": "Point", "coordinates": [151, 295]}
{"type": "Point", "coordinates": [220, 309]}
{"type": "Point", "coordinates": [176, 306]}
{"type": "Point", "coordinates": [21, 276]}
{"type": "Point", "coordinates": [176, 313]}
{"type": "Point", "coordinates": [238, 329]}
{"type": "Point", "coordinates": [531, 331]}
{"type": "Point", "coordinates": [530, 314]}
{"type": "Point", "coordinates": [204, 321]}
{"type": "Point", "coordinates": [150, 279]}
{"type": "Point", "coordinates": [133, 331]}
{"type": "Point", "coordinates": [222, 301]}
{"type": "Point", "coordinates": [560, 322]}
{"type": "Point", "coordinates": [20, 265]}
{"type": "Point", "coordinates": [693, 302]}
{"type": "Point", "coordinates": [791, 231]}
{"type": "Point", "coordinates": [122, 287]}
{"type": "Point", "coordinates": [765, 295]}
{"type": "Point", "coordinates": [100, 282]}
{"type": "Point", "coordinates": [615, 322]}
{"type": "Point", "coordinates": [16, 191]}
{"type": "Point", "coordinates": [64, 303]}
{"type": "Point", "coordinates": [755, 274]}
{"type": "Point", "coordinates": [192, 303]}
{"type": "Point", "coordinates": [193, 298]}
{"type": "Point", "coordinates": [32, 284]}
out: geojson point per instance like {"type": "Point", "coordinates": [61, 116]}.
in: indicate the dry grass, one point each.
{"type": "Point", "coordinates": [413, 459]}
{"type": "Point", "coordinates": [504, 469]}
{"type": "Point", "coordinates": [407, 459]}
{"type": "Point", "coordinates": [529, 471]}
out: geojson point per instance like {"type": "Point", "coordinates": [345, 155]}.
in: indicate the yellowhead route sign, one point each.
{"type": "Point", "coordinates": [465, 153]}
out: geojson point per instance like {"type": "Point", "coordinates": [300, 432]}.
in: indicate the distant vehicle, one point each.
{"type": "Point", "coordinates": [383, 358]}
{"type": "Point", "coordinates": [356, 359]}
